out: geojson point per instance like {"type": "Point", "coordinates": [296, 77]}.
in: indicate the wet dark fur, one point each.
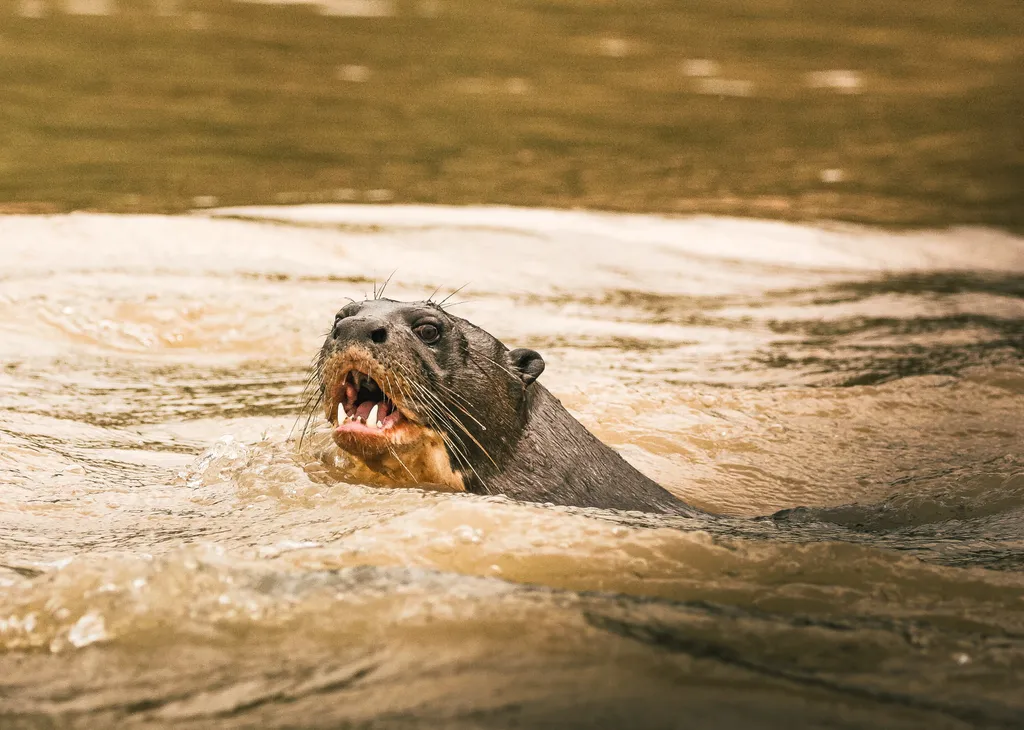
{"type": "Point", "coordinates": [505, 433]}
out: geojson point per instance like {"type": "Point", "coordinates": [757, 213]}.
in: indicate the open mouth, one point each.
{"type": "Point", "coordinates": [363, 400]}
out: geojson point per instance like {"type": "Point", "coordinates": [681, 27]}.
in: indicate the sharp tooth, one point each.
{"type": "Point", "coordinates": [371, 418]}
{"type": "Point", "coordinates": [341, 413]}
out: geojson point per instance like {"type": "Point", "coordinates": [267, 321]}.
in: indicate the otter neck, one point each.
{"type": "Point", "coordinates": [575, 468]}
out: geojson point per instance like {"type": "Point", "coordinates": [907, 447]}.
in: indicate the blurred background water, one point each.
{"type": "Point", "coordinates": [880, 112]}
{"type": "Point", "coordinates": [190, 190]}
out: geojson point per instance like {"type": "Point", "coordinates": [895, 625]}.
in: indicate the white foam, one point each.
{"type": "Point", "coordinates": [817, 247]}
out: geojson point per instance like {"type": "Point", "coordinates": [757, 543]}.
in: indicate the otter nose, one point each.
{"type": "Point", "coordinates": [359, 330]}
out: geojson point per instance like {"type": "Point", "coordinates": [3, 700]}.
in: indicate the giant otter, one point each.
{"type": "Point", "coordinates": [422, 397]}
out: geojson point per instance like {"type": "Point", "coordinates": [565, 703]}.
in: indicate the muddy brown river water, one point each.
{"type": "Point", "coordinates": [170, 556]}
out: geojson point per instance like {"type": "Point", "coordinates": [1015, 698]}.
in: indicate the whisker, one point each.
{"type": "Point", "coordinates": [385, 285]}
{"type": "Point", "coordinates": [433, 411]}
{"type": "Point", "coordinates": [457, 447]}
{"type": "Point", "coordinates": [395, 454]}
{"type": "Point", "coordinates": [441, 303]}
{"type": "Point", "coordinates": [309, 417]}
{"type": "Point", "coordinates": [455, 419]}
{"type": "Point", "coordinates": [514, 376]}
{"type": "Point", "coordinates": [314, 395]}
{"type": "Point", "coordinates": [457, 405]}
{"type": "Point", "coordinates": [454, 394]}
{"type": "Point", "coordinates": [460, 456]}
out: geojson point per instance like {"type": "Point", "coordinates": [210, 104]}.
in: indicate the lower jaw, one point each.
{"type": "Point", "coordinates": [368, 442]}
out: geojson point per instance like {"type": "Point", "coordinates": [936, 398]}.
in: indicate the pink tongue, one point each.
{"type": "Point", "coordinates": [364, 408]}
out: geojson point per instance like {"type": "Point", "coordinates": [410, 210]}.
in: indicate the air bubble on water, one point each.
{"type": "Point", "coordinates": [226, 453]}
{"type": "Point", "coordinates": [468, 534]}
{"type": "Point", "coordinates": [16, 624]}
{"type": "Point", "coordinates": [88, 630]}
{"type": "Point", "coordinates": [444, 543]}
{"type": "Point", "coordinates": [961, 658]}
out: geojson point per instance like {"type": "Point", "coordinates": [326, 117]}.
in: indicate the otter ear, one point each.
{"type": "Point", "coordinates": [527, 363]}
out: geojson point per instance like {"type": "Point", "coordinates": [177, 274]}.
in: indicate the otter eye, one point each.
{"type": "Point", "coordinates": [429, 333]}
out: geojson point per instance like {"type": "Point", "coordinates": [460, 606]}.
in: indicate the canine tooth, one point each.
{"type": "Point", "coordinates": [341, 413]}
{"type": "Point", "coordinates": [371, 417]}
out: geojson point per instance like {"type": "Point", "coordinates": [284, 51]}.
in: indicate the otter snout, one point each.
{"type": "Point", "coordinates": [360, 330]}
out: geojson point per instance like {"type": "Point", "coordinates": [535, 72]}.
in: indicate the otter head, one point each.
{"type": "Point", "coordinates": [423, 397]}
